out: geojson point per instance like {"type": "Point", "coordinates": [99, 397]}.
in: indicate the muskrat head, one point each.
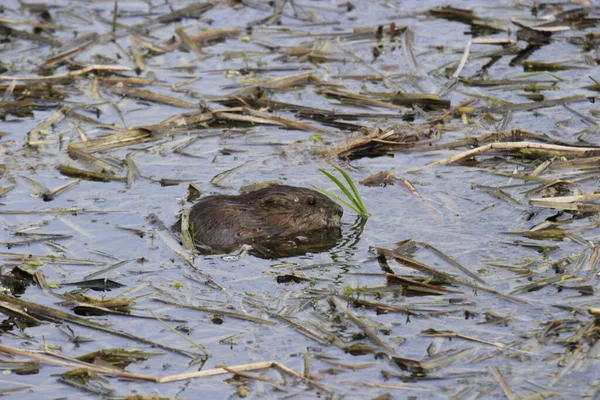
{"type": "Point", "coordinates": [301, 209]}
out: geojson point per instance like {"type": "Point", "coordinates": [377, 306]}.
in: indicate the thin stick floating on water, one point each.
{"type": "Point", "coordinates": [517, 146]}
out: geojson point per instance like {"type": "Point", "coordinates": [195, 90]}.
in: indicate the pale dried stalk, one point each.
{"type": "Point", "coordinates": [568, 199]}
{"type": "Point", "coordinates": [503, 384]}
{"type": "Point", "coordinates": [463, 60]}
{"type": "Point", "coordinates": [55, 359]}
{"type": "Point", "coordinates": [74, 363]}
{"type": "Point", "coordinates": [369, 332]}
{"type": "Point", "coordinates": [550, 148]}
{"type": "Point", "coordinates": [69, 74]}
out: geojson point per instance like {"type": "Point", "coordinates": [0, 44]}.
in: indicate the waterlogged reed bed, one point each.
{"type": "Point", "coordinates": [471, 129]}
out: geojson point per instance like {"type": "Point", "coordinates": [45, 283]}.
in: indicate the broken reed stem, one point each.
{"type": "Point", "coordinates": [452, 111]}
{"type": "Point", "coordinates": [217, 371]}
{"type": "Point", "coordinates": [74, 363]}
{"type": "Point", "coordinates": [503, 384]}
{"type": "Point", "coordinates": [81, 71]}
{"type": "Point", "coordinates": [463, 60]}
{"type": "Point", "coordinates": [53, 358]}
{"type": "Point", "coordinates": [552, 149]}
{"type": "Point", "coordinates": [369, 332]}
{"type": "Point", "coordinates": [181, 335]}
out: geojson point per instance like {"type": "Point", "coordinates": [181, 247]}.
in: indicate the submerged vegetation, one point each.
{"type": "Point", "coordinates": [473, 134]}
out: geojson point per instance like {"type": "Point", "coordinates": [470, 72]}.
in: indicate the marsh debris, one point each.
{"type": "Point", "coordinates": [473, 133]}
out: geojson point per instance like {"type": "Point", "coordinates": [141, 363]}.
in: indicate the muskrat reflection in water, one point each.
{"type": "Point", "coordinates": [278, 221]}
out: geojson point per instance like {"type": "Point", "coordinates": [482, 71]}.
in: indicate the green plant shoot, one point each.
{"type": "Point", "coordinates": [355, 202]}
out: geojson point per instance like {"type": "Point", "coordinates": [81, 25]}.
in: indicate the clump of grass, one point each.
{"type": "Point", "coordinates": [355, 202]}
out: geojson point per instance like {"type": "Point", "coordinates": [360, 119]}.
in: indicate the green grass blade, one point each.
{"type": "Point", "coordinates": [342, 188]}
{"type": "Point", "coordinates": [361, 204]}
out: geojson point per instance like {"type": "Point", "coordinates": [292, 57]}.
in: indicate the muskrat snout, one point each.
{"type": "Point", "coordinates": [339, 211]}
{"type": "Point", "coordinates": [333, 215]}
{"type": "Point", "coordinates": [335, 221]}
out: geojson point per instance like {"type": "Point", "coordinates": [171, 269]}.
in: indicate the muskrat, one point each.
{"type": "Point", "coordinates": [224, 223]}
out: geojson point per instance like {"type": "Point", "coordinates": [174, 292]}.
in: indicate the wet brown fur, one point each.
{"type": "Point", "coordinates": [225, 222]}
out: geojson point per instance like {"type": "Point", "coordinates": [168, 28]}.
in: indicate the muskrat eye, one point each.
{"type": "Point", "coordinates": [311, 202]}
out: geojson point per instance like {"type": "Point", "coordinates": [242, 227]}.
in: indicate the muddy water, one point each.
{"type": "Point", "coordinates": [450, 214]}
